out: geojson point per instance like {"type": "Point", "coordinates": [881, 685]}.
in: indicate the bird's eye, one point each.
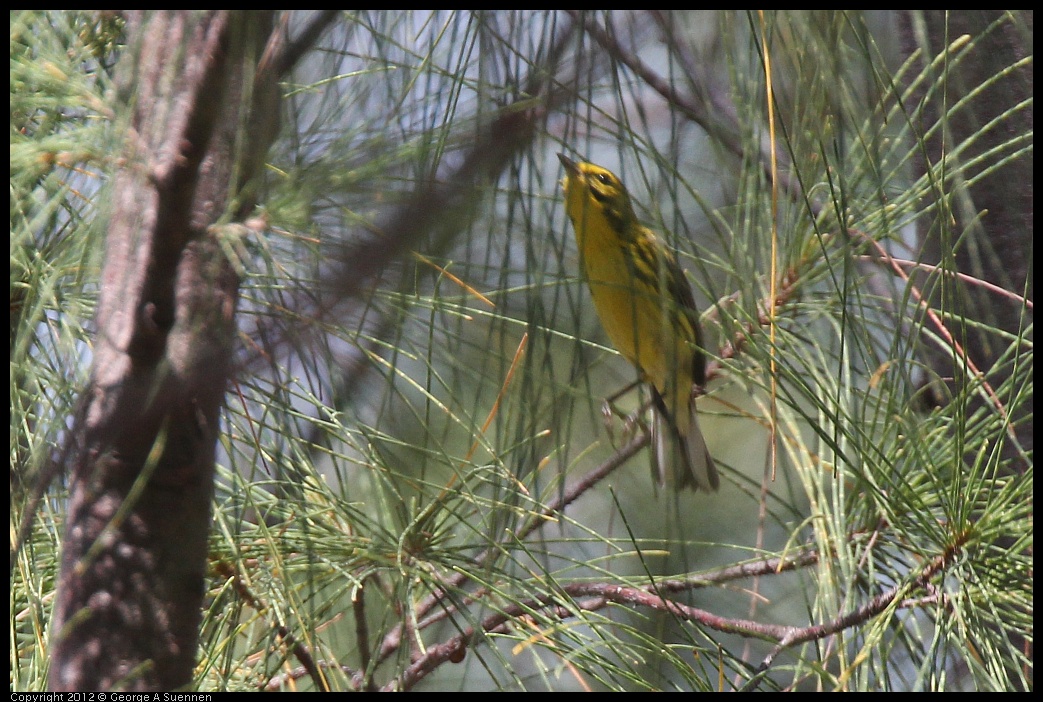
{"type": "Point", "coordinates": [603, 177]}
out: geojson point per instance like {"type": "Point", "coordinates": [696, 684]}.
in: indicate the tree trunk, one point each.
{"type": "Point", "coordinates": [134, 557]}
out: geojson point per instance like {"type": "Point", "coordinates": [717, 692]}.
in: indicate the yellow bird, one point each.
{"type": "Point", "coordinates": [646, 306]}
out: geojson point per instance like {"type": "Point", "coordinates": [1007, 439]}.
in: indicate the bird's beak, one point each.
{"type": "Point", "coordinates": [571, 167]}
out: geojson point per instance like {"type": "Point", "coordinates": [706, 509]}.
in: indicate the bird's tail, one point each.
{"type": "Point", "coordinates": [681, 457]}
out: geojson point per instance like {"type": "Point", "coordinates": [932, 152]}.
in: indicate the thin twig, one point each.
{"type": "Point", "coordinates": [943, 331]}
{"type": "Point", "coordinates": [358, 606]}
{"type": "Point", "coordinates": [299, 650]}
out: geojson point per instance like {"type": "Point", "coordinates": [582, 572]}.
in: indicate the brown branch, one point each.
{"type": "Point", "coordinates": [765, 567]}
{"type": "Point", "coordinates": [875, 606]}
{"type": "Point", "coordinates": [284, 52]}
{"type": "Point", "coordinates": [602, 594]}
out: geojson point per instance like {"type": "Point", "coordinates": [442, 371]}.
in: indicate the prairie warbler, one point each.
{"type": "Point", "coordinates": [646, 307]}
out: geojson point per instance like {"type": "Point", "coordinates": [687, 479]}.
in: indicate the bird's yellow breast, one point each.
{"type": "Point", "coordinates": [635, 314]}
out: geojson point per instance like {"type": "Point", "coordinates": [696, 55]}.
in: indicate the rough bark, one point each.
{"type": "Point", "coordinates": [133, 567]}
